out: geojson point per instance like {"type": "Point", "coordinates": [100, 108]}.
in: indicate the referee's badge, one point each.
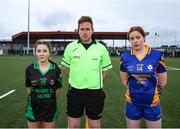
{"type": "Point", "coordinates": [52, 82]}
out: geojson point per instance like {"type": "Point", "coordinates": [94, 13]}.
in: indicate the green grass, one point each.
{"type": "Point", "coordinates": [12, 107]}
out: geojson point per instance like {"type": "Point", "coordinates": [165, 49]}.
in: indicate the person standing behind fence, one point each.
{"type": "Point", "coordinates": [87, 62]}
{"type": "Point", "coordinates": [43, 82]}
{"type": "Point", "coordinates": [142, 71]}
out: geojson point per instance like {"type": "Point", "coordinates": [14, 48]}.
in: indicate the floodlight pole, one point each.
{"type": "Point", "coordinates": [125, 45]}
{"type": "Point", "coordinates": [28, 35]}
{"type": "Point", "coordinates": [113, 46]}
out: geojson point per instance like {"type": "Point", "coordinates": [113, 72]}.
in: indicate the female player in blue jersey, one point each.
{"type": "Point", "coordinates": [142, 71]}
{"type": "Point", "coordinates": [43, 83]}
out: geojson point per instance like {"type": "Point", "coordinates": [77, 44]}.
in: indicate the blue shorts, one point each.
{"type": "Point", "coordinates": [136, 112]}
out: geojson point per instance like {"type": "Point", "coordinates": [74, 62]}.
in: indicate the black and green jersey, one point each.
{"type": "Point", "coordinates": [44, 84]}
{"type": "Point", "coordinates": [86, 65]}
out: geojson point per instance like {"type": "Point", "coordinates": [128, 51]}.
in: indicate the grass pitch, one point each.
{"type": "Point", "coordinates": [12, 107]}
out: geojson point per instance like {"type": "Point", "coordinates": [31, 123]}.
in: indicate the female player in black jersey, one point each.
{"type": "Point", "coordinates": [43, 82]}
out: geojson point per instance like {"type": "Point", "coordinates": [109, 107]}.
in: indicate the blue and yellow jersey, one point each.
{"type": "Point", "coordinates": [142, 79]}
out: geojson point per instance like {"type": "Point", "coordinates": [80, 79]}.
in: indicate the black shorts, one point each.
{"type": "Point", "coordinates": [90, 101]}
{"type": "Point", "coordinates": [41, 110]}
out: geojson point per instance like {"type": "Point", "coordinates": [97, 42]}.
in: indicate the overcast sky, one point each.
{"type": "Point", "coordinates": [161, 16]}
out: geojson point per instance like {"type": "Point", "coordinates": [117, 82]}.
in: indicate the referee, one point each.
{"type": "Point", "coordinates": [87, 63]}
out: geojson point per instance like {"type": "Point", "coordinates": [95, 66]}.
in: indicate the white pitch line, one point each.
{"type": "Point", "coordinates": [172, 68]}
{"type": "Point", "coordinates": [6, 94]}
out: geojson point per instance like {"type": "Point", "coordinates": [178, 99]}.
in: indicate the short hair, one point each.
{"type": "Point", "coordinates": [136, 28]}
{"type": "Point", "coordinates": [43, 42]}
{"type": "Point", "coordinates": [85, 19]}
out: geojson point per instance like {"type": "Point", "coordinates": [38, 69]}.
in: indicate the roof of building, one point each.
{"type": "Point", "coordinates": [67, 35]}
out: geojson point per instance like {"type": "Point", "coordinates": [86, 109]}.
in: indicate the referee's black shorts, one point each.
{"type": "Point", "coordinates": [90, 101]}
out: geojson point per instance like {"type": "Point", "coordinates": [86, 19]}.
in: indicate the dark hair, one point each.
{"type": "Point", "coordinates": [85, 19]}
{"type": "Point", "coordinates": [42, 42]}
{"type": "Point", "coordinates": [136, 28]}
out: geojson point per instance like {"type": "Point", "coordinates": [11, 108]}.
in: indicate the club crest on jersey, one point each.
{"type": "Point", "coordinates": [139, 67]}
{"type": "Point", "coordinates": [52, 82]}
{"type": "Point", "coordinates": [150, 67]}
